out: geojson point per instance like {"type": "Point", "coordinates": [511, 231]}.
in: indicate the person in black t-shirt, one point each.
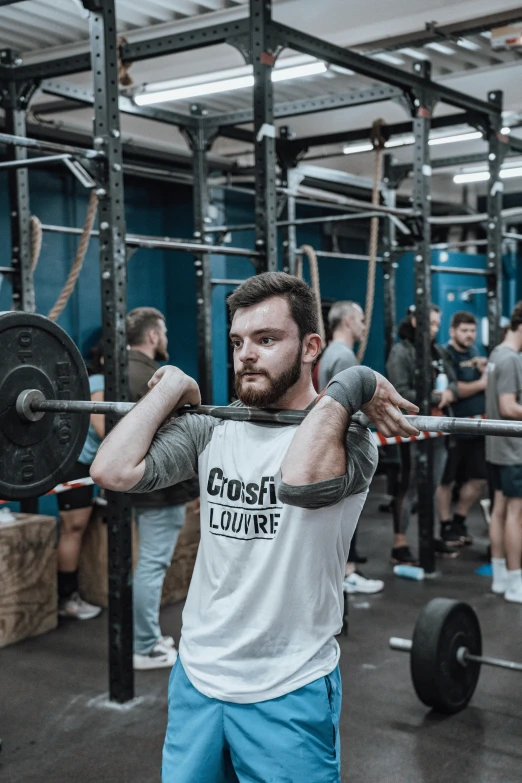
{"type": "Point", "coordinates": [466, 463]}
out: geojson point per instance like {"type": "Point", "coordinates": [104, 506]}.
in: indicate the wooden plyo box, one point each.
{"type": "Point", "coordinates": [28, 590]}
{"type": "Point", "coordinates": [93, 581]}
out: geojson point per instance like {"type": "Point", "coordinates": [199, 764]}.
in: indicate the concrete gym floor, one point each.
{"type": "Point", "coordinates": [57, 728]}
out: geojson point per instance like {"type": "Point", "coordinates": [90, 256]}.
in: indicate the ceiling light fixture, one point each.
{"type": "Point", "coordinates": [415, 54]}
{"type": "Point", "coordinates": [186, 91]}
{"type": "Point", "coordinates": [455, 138]}
{"type": "Point", "coordinates": [441, 48]}
{"type": "Point", "coordinates": [404, 141]}
{"type": "Point", "coordinates": [388, 58]}
{"type": "Point", "coordinates": [505, 130]}
{"type": "Point", "coordinates": [465, 43]}
{"type": "Point", "coordinates": [483, 176]}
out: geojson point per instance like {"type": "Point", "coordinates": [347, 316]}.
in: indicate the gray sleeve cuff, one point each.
{"type": "Point", "coordinates": [317, 495]}
{"type": "Point", "coordinates": [353, 388]}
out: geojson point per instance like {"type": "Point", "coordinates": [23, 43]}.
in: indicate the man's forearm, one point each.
{"type": "Point", "coordinates": [469, 389]}
{"type": "Point", "coordinates": [317, 451]}
{"type": "Point", "coordinates": [119, 462]}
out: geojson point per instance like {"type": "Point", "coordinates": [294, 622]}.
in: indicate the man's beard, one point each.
{"type": "Point", "coordinates": [262, 398]}
{"type": "Point", "coordinates": [161, 354]}
{"type": "Point", "coordinates": [463, 348]}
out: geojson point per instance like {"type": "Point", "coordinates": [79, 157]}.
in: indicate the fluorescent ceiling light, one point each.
{"type": "Point", "coordinates": [184, 89]}
{"type": "Point", "coordinates": [476, 176]}
{"type": "Point", "coordinates": [441, 48]}
{"type": "Point", "coordinates": [353, 148]}
{"type": "Point", "coordinates": [194, 90]}
{"type": "Point", "coordinates": [414, 53]}
{"type": "Point", "coordinates": [343, 71]}
{"type": "Point", "coordinates": [483, 176]}
{"type": "Point", "coordinates": [400, 141]}
{"type": "Point", "coordinates": [403, 141]}
{"type": "Point", "coordinates": [298, 71]}
{"type": "Point", "coordinates": [505, 131]}
{"type": "Point", "coordinates": [388, 58]}
{"type": "Point", "coordinates": [464, 43]}
{"type": "Point", "coordinates": [512, 172]}
{"type": "Point", "coordinates": [459, 137]}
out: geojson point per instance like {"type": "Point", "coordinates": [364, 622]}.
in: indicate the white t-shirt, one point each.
{"type": "Point", "coordinates": [266, 597]}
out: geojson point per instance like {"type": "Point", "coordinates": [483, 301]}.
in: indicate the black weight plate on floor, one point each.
{"type": "Point", "coordinates": [440, 681]}
{"type": "Point", "coordinates": [35, 353]}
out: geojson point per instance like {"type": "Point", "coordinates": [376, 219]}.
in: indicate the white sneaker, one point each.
{"type": "Point", "coordinates": [499, 586]}
{"type": "Point", "coordinates": [77, 608]}
{"type": "Point", "coordinates": [167, 641]}
{"type": "Point", "coordinates": [514, 595]}
{"type": "Point", "coordinates": [160, 657]}
{"type": "Point", "coordinates": [357, 583]}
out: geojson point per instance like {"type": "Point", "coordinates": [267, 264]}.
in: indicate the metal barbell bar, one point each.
{"type": "Point", "coordinates": [462, 655]}
{"type": "Point", "coordinates": [31, 404]}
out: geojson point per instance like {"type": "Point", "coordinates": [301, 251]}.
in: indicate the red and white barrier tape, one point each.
{"type": "Point", "coordinates": [65, 487]}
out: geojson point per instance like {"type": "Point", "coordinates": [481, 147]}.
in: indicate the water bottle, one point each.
{"type": "Point", "coordinates": [409, 572]}
{"type": "Point", "coordinates": [441, 382]}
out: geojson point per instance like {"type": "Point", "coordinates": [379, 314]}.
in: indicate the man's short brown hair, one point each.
{"type": "Point", "coordinates": [462, 317]}
{"type": "Point", "coordinates": [300, 297]}
{"type": "Point", "coordinates": [139, 321]}
{"type": "Point", "coordinates": [516, 317]}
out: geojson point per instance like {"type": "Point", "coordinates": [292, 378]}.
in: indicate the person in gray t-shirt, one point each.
{"type": "Point", "coordinates": [504, 455]}
{"type": "Point", "coordinates": [346, 322]}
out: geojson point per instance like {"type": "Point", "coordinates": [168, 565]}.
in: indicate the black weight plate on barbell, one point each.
{"type": "Point", "coordinates": [440, 681]}
{"type": "Point", "coordinates": [36, 353]}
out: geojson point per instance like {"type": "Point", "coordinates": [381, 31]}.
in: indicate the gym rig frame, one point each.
{"type": "Point", "coordinates": [260, 39]}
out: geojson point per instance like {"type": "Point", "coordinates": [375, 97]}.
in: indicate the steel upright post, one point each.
{"type": "Point", "coordinates": [263, 59]}
{"type": "Point", "coordinates": [14, 98]}
{"type": "Point", "coordinates": [200, 142]}
{"type": "Point", "coordinates": [422, 109]}
{"type": "Point", "coordinates": [113, 267]}
{"type": "Point", "coordinates": [497, 150]}
{"type": "Point", "coordinates": [389, 265]}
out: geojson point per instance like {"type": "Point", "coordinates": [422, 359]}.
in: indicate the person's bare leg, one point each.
{"type": "Point", "coordinates": [513, 545]}
{"type": "Point", "coordinates": [496, 538]}
{"type": "Point", "coordinates": [470, 493]}
{"type": "Point", "coordinates": [496, 527]}
{"type": "Point", "coordinates": [74, 523]}
{"type": "Point", "coordinates": [513, 533]}
{"type": "Point", "coordinates": [443, 499]}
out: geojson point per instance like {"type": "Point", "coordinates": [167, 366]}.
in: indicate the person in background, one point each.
{"type": "Point", "coordinates": [400, 369]}
{"type": "Point", "coordinates": [159, 515]}
{"type": "Point", "coordinates": [504, 458]}
{"type": "Point", "coordinates": [75, 506]}
{"type": "Point", "coordinates": [466, 462]}
{"type": "Point", "coordinates": [346, 323]}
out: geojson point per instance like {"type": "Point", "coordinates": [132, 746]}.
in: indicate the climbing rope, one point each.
{"type": "Point", "coordinates": [78, 259]}
{"type": "Point", "coordinates": [378, 136]}
{"type": "Point", "coordinates": [309, 252]}
{"type": "Point", "coordinates": [36, 240]}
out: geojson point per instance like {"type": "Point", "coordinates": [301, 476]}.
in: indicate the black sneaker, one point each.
{"type": "Point", "coordinates": [443, 550]}
{"type": "Point", "coordinates": [450, 536]}
{"type": "Point", "coordinates": [402, 555]}
{"type": "Point", "coordinates": [462, 531]}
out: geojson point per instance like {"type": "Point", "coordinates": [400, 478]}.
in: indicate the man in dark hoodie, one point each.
{"type": "Point", "coordinates": [400, 369]}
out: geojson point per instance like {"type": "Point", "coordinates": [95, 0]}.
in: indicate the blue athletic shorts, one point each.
{"type": "Point", "coordinates": [291, 739]}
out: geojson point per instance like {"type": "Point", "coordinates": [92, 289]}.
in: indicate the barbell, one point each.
{"type": "Point", "coordinates": [44, 373]}
{"type": "Point", "coordinates": [446, 655]}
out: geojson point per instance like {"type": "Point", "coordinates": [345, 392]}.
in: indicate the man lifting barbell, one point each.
{"type": "Point", "coordinates": [257, 686]}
